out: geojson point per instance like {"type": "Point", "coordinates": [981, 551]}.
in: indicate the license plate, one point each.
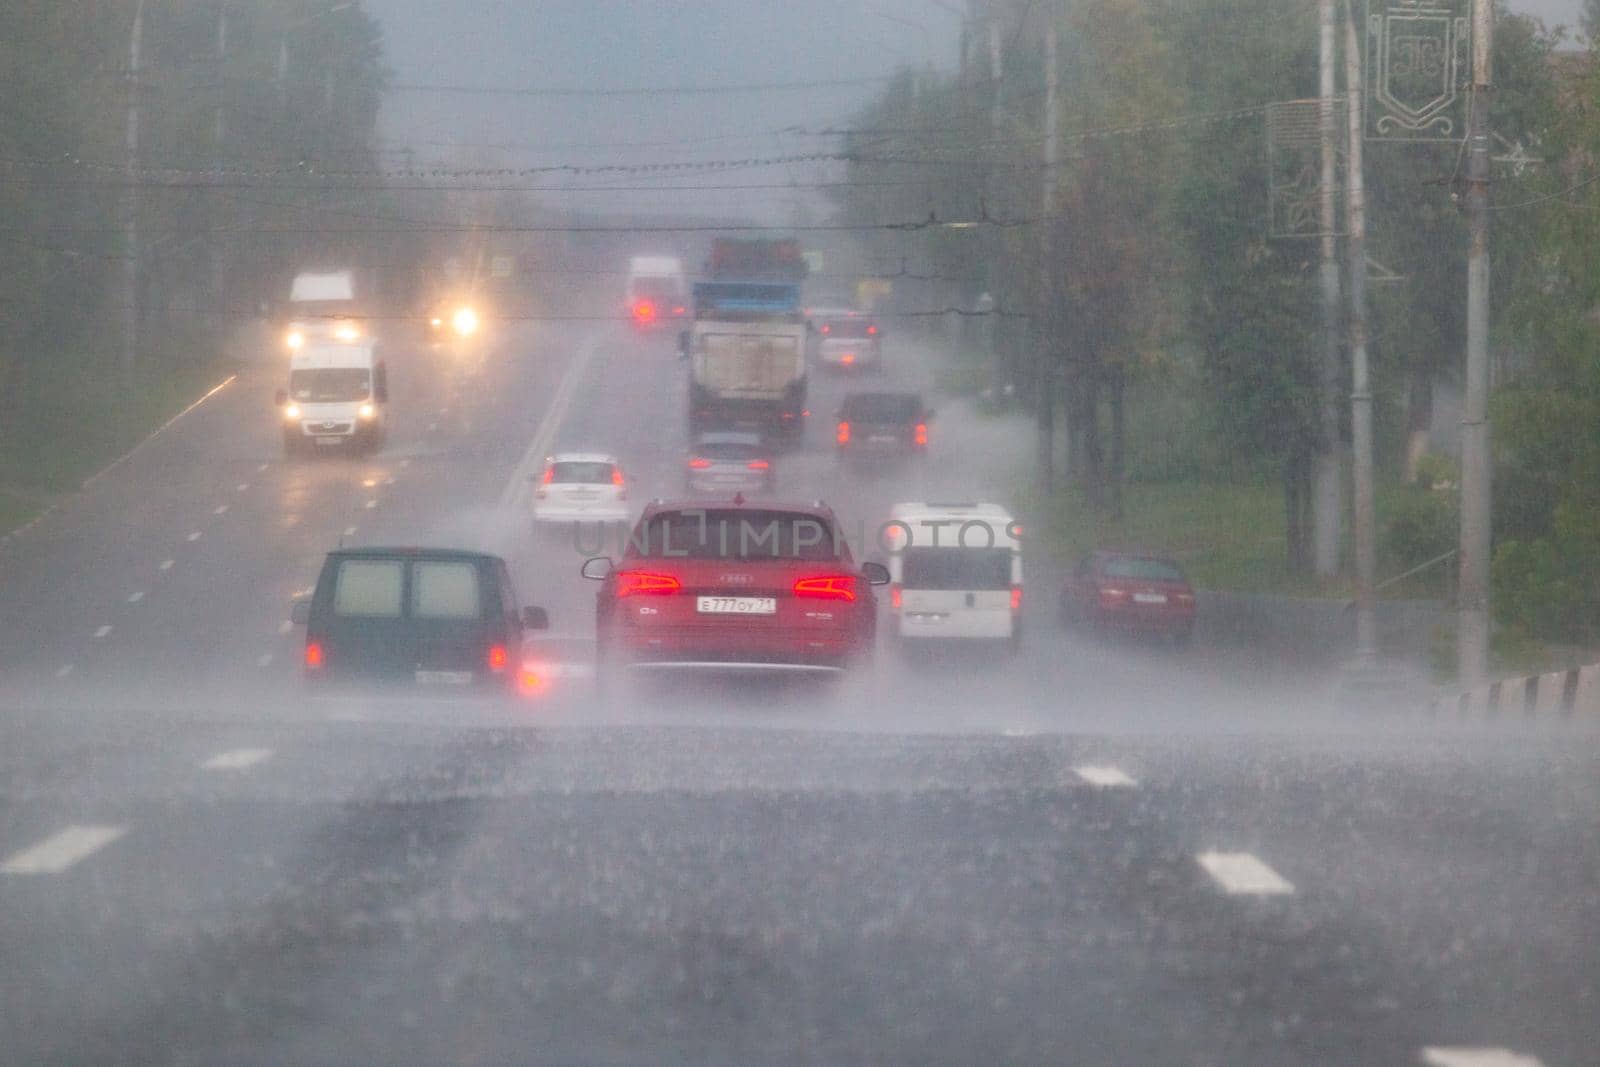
{"type": "Point", "coordinates": [883, 439]}
{"type": "Point", "coordinates": [736, 605]}
{"type": "Point", "coordinates": [444, 677]}
{"type": "Point", "coordinates": [1149, 598]}
{"type": "Point", "coordinates": [330, 440]}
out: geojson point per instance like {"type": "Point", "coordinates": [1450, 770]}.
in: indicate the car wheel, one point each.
{"type": "Point", "coordinates": [291, 445]}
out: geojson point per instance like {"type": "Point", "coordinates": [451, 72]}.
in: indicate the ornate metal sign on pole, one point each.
{"type": "Point", "coordinates": [1416, 70]}
{"type": "Point", "coordinates": [1295, 176]}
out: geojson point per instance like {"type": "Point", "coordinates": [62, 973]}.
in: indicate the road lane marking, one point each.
{"type": "Point", "coordinates": [166, 564]}
{"type": "Point", "coordinates": [371, 504]}
{"type": "Point", "coordinates": [369, 483]}
{"type": "Point", "coordinates": [539, 447]}
{"type": "Point", "coordinates": [1106, 777]}
{"type": "Point", "coordinates": [1442, 1056]}
{"type": "Point", "coordinates": [134, 598]}
{"type": "Point", "coordinates": [264, 660]}
{"type": "Point", "coordinates": [102, 631]}
{"type": "Point", "coordinates": [195, 536]}
{"type": "Point", "coordinates": [1015, 731]}
{"type": "Point", "coordinates": [159, 430]}
{"type": "Point", "coordinates": [405, 462]}
{"type": "Point", "coordinates": [285, 626]}
{"type": "Point", "coordinates": [241, 487]}
{"type": "Point", "coordinates": [388, 481]}
{"type": "Point", "coordinates": [262, 467]}
{"type": "Point", "coordinates": [1240, 873]}
{"type": "Point", "coordinates": [237, 759]}
{"type": "Point", "coordinates": [432, 426]}
{"type": "Point", "coordinates": [349, 531]}
{"type": "Point", "coordinates": [58, 853]}
{"type": "Point", "coordinates": [220, 509]}
{"type": "Point", "coordinates": [64, 671]}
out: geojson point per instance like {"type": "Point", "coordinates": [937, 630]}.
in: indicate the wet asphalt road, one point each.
{"type": "Point", "coordinates": [1096, 853]}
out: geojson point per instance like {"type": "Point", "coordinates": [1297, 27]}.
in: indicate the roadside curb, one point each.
{"type": "Point", "coordinates": [1563, 696]}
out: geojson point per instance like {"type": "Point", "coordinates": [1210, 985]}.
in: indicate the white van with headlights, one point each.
{"type": "Point", "coordinates": [337, 397]}
{"type": "Point", "coordinates": [955, 572]}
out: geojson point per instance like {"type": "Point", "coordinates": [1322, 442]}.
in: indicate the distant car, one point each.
{"type": "Point", "coordinates": [442, 619]}
{"type": "Point", "coordinates": [882, 424]}
{"type": "Point", "coordinates": [581, 487]}
{"type": "Point", "coordinates": [1130, 592]}
{"type": "Point", "coordinates": [847, 340]}
{"type": "Point", "coordinates": [704, 585]}
{"type": "Point", "coordinates": [556, 666]}
{"type": "Point", "coordinates": [727, 462]}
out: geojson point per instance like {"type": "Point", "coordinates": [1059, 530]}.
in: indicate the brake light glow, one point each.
{"type": "Point", "coordinates": [828, 587]}
{"type": "Point", "coordinates": [1111, 594]}
{"type": "Point", "coordinates": [313, 654]}
{"type": "Point", "coordinates": [826, 328]}
{"type": "Point", "coordinates": [643, 583]}
{"type": "Point", "coordinates": [679, 310]}
{"type": "Point", "coordinates": [699, 463]}
{"type": "Point", "coordinates": [843, 436]}
{"type": "Point", "coordinates": [529, 681]}
{"type": "Point", "coordinates": [759, 465]}
{"type": "Point", "coordinates": [894, 596]}
{"type": "Point", "coordinates": [549, 475]}
{"type": "Point", "coordinates": [644, 311]}
{"type": "Point", "coordinates": [497, 657]}
{"type": "Point", "coordinates": [922, 435]}
{"type": "Point", "coordinates": [1016, 598]}
{"type": "Point", "coordinates": [848, 358]}
{"type": "Point", "coordinates": [872, 331]}
{"type": "Point", "coordinates": [616, 475]}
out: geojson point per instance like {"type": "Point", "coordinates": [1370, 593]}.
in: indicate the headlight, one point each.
{"type": "Point", "coordinates": [291, 411]}
{"type": "Point", "coordinates": [465, 322]}
{"type": "Point", "coordinates": [436, 321]}
{"type": "Point", "coordinates": [366, 411]}
{"type": "Point", "coordinates": [346, 331]}
{"type": "Point", "coordinates": [294, 339]}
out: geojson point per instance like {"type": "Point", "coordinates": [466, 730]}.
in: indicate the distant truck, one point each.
{"type": "Point", "coordinates": [657, 291]}
{"type": "Point", "coordinates": [747, 346]}
{"type": "Point", "coordinates": [323, 305]}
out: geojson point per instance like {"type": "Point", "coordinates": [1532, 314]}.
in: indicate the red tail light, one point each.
{"type": "Point", "coordinates": [644, 311]}
{"type": "Point", "coordinates": [1111, 594]}
{"type": "Point", "coordinates": [616, 475]}
{"type": "Point", "coordinates": [826, 329]}
{"type": "Point", "coordinates": [679, 310]}
{"type": "Point", "coordinates": [894, 596]}
{"type": "Point", "coordinates": [872, 331]}
{"type": "Point", "coordinates": [497, 657]}
{"type": "Point", "coordinates": [759, 465]}
{"type": "Point", "coordinates": [830, 587]}
{"type": "Point", "coordinates": [843, 436]}
{"type": "Point", "coordinates": [922, 435]}
{"type": "Point", "coordinates": [549, 476]}
{"type": "Point", "coordinates": [1016, 598]}
{"type": "Point", "coordinates": [847, 358]}
{"type": "Point", "coordinates": [313, 654]}
{"type": "Point", "coordinates": [643, 583]}
{"type": "Point", "coordinates": [699, 463]}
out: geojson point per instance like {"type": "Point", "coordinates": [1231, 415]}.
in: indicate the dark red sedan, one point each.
{"type": "Point", "coordinates": [1130, 592]}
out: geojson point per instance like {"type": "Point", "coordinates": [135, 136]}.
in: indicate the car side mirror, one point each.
{"type": "Point", "coordinates": [875, 573]}
{"type": "Point", "coordinates": [300, 612]}
{"type": "Point", "coordinates": [597, 568]}
{"type": "Point", "coordinates": [535, 619]}
{"type": "Point", "coordinates": [280, 398]}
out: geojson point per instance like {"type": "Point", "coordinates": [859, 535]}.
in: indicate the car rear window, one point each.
{"type": "Point", "coordinates": [368, 588]}
{"type": "Point", "coordinates": [846, 328]}
{"type": "Point", "coordinates": [888, 407]}
{"type": "Point", "coordinates": [728, 450]}
{"type": "Point", "coordinates": [443, 589]}
{"type": "Point", "coordinates": [956, 568]}
{"type": "Point", "coordinates": [581, 473]}
{"type": "Point", "coordinates": [1150, 570]}
{"type": "Point", "coordinates": [743, 533]}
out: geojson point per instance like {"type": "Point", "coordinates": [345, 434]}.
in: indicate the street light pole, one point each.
{"type": "Point", "coordinates": [130, 253]}
{"type": "Point", "coordinates": [1363, 518]}
{"type": "Point", "coordinates": [1472, 627]}
{"type": "Point", "coordinates": [1328, 479]}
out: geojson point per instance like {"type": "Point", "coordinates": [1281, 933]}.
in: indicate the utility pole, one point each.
{"type": "Point", "coordinates": [219, 132]}
{"type": "Point", "coordinates": [1472, 625]}
{"type": "Point", "coordinates": [1328, 479]}
{"type": "Point", "coordinates": [1047, 209]}
{"type": "Point", "coordinates": [130, 252]}
{"type": "Point", "coordinates": [1360, 382]}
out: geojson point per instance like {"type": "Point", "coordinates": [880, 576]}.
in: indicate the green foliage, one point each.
{"type": "Point", "coordinates": [1419, 525]}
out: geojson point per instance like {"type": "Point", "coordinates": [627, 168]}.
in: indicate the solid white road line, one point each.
{"type": "Point", "coordinates": [220, 509]}
{"type": "Point", "coordinates": [1476, 1057]}
{"type": "Point", "coordinates": [1015, 731]}
{"type": "Point", "coordinates": [195, 536]}
{"type": "Point", "coordinates": [163, 428]}
{"type": "Point", "coordinates": [166, 564]}
{"type": "Point", "coordinates": [56, 854]}
{"type": "Point", "coordinates": [134, 598]}
{"type": "Point", "coordinates": [1105, 777]}
{"type": "Point", "coordinates": [539, 447]}
{"type": "Point", "coordinates": [64, 671]}
{"type": "Point", "coordinates": [1240, 873]}
{"type": "Point", "coordinates": [237, 759]}
{"type": "Point", "coordinates": [102, 631]}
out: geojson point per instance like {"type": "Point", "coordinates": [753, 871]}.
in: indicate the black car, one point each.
{"type": "Point", "coordinates": [882, 424]}
{"type": "Point", "coordinates": [438, 618]}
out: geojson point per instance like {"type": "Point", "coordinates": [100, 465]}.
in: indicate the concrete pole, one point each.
{"type": "Point", "coordinates": [219, 133]}
{"type": "Point", "coordinates": [1047, 208]}
{"type": "Point", "coordinates": [1360, 382]}
{"type": "Point", "coordinates": [129, 355]}
{"type": "Point", "coordinates": [1472, 626]}
{"type": "Point", "coordinates": [1328, 484]}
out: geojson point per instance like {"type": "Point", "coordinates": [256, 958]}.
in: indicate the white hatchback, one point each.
{"type": "Point", "coordinates": [581, 487]}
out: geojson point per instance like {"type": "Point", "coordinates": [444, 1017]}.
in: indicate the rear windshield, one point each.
{"type": "Point", "coordinates": [897, 407]}
{"type": "Point", "coordinates": [956, 568]}
{"type": "Point", "coordinates": [745, 534]}
{"type": "Point", "coordinates": [848, 328]}
{"type": "Point", "coordinates": [582, 473]}
{"type": "Point", "coordinates": [662, 290]}
{"type": "Point", "coordinates": [368, 588]}
{"type": "Point", "coordinates": [728, 450]}
{"type": "Point", "coordinates": [445, 590]}
{"type": "Point", "coordinates": [1151, 570]}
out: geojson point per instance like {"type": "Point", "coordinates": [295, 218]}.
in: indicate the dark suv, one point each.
{"type": "Point", "coordinates": [882, 423]}
{"type": "Point", "coordinates": [440, 618]}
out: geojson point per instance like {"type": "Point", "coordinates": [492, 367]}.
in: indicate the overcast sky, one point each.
{"type": "Point", "coordinates": [623, 44]}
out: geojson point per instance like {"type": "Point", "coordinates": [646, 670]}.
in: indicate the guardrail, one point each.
{"type": "Point", "coordinates": [1570, 694]}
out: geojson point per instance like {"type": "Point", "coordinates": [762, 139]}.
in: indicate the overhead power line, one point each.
{"type": "Point", "coordinates": [642, 90]}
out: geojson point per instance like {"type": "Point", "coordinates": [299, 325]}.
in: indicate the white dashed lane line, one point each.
{"type": "Point", "coordinates": [264, 660]}
{"type": "Point", "coordinates": [195, 536]}
{"type": "Point", "coordinates": [371, 504]}
{"type": "Point", "coordinates": [237, 759]}
{"type": "Point", "coordinates": [58, 853]}
{"type": "Point", "coordinates": [220, 509]}
{"type": "Point", "coordinates": [241, 487]}
{"type": "Point", "coordinates": [1476, 1057]}
{"type": "Point", "coordinates": [1241, 874]}
{"type": "Point", "coordinates": [102, 631]}
{"type": "Point", "coordinates": [64, 671]}
{"type": "Point", "coordinates": [134, 598]}
{"type": "Point", "coordinates": [349, 531]}
{"type": "Point", "coordinates": [1104, 777]}
{"type": "Point", "coordinates": [262, 467]}
{"type": "Point", "coordinates": [166, 564]}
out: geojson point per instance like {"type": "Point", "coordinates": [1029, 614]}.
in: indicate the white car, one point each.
{"type": "Point", "coordinates": [581, 487]}
{"type": "Point", "coordinates": [955, 573]}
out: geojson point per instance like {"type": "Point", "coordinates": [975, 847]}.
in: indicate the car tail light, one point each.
{"type": "Point", "coordinates": [549, 476]}
{"type": "Point", "coordinates": [872, 331]}
{"type": "Point", "coordinates": [895, 596]}
{"type": "Point", "coordinates": [827, 329]}
{"type": "Point", "coordinates": [1016, 598]}
{"type": "Point", "coordinates": [616, 475]}
{"type": "Point", "coordinates": [1110, 594]}
{"type": "Point", "coordinates": [644, 311]}
{"type": "Point", "coordinates": [829, 587]}
{"type": "Point", "coordinates": [759, 465]}
{"type": "Point", "coordinates": [497, 657]}
{"type": "Point", "coordinates": [843, 435]}
{"type": "Point", "coordinates": [922, 435]}
{"type": "Point", "coordinates": [679, 310]}
{"type": "Point", "coordinates": [314, 657]}
{"type": "Point", "coordinates": [643, 583]}
{"type": "Point", "coordinates": [699, 463]}
{"type": "Point", "coordinates": [529, 680]}
{"type": "Point", "coordinates": [848, 358]}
